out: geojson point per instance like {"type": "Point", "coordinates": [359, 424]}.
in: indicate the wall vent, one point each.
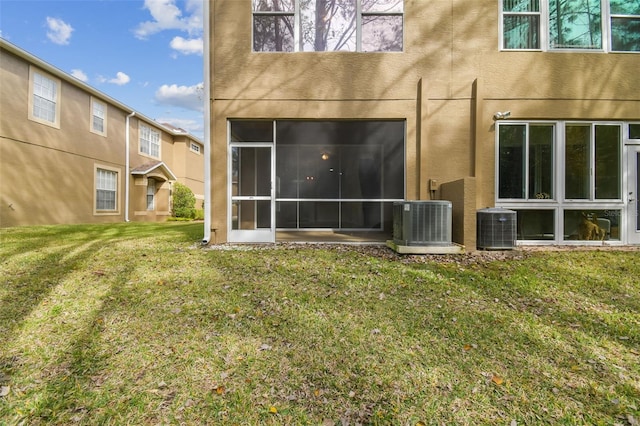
{"type": "Point", "coordinates": [496, 229]}
{"type": "Point", "coordinates": [422, 223]}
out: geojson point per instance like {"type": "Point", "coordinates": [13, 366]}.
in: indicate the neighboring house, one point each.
{"type": "Point", "coordinates": [324, 113]}
{"type": "Point", "coordinates": [71, 154]}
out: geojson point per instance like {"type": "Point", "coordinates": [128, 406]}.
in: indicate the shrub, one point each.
{"type": "Point", "coordinates": [183, 201]}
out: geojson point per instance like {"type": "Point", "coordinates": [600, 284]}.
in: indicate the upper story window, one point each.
{"type": "Point", "coordinates": [328, 25]}
{"type": "Point", "coordinates": [194, 147]}
{"type": "Point", "coordinates": [98, 117]}
{"type": "Point", "coordinates": [600, 25]}
{"type": "Point", "coordinates": [149, 141]}
{"type": "Point", "coordinates": [44, 95]}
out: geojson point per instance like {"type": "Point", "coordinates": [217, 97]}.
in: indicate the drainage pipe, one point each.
{"type": "Point", "coordinates": [207, 125]}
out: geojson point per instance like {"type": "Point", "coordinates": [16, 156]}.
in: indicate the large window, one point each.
{"type": "Point", "coordinates": [106, 189]}
{"type": "Point", "coordinates": [564, 179]}
{"type": "Point", "coordinates": [592, 162]}
{"type": "Point", "coordinates": [526, 161]}
{"type": "Point", "coordinates": [149, 141]}
{"type": "Point", "coordinates": [98, 117]}
{"type": "Point", "coordinates": [44, 105]}
{"type": "Point", "coordinates": [607, 25]}
{"type": "Point", "coordinates": [328, 25]}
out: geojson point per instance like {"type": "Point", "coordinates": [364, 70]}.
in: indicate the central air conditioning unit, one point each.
{"type": "Point", "coordinates": [422, 223]}
{"type": "Point", "coordinates": [496, 229]}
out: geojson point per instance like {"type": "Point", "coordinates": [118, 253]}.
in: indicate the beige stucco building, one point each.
{"type": "Point", "coordinates": [71, 154]}
{"type": "Point", "coordinates": [323, 114]}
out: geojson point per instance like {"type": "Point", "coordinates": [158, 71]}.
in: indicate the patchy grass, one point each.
{"type": "Point", "coordinates": [136, 324]}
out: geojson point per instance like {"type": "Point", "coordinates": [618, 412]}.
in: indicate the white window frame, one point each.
{"type": "Point", "coordinates": [559, 204]}
{"type": "Point", "coordinates": [605, 17]}
{"type": "Point", "coordinates": [151, 194]}
{"type": "Point", "coordinates": [298, 42]}
{"type": "Point", "coordinates": [100, 185]}
{"type": "Point", "coordinates": [195, 148]}
{"type": "Point", "coordinates": [99, 111]}
{"type": "Point", "coordinates": [36, 96]}
{"type": "Point", "coordinates": [150, 141]}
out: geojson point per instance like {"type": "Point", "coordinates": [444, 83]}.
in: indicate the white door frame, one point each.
{"type": "Point", "coordinates": [255, 234]}
{"type": "Point", "coordinates": [632, 194]}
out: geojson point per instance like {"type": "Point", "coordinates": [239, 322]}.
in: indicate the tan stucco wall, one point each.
{"type": "Point", "coordinates": [447, 84]}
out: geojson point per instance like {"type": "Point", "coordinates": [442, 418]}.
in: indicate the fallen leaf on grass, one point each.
{"type": "Point", "coordinates": [497, 380]}
{"type": "Point", "coordinates": [219, 389]}
{"type": "Point", "coordinates": [273, 410]}
{"type": "Point", "coordinates": [4, 391]}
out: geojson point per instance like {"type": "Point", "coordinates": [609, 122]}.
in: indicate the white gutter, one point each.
{"type": "Point", "coordinates": [207, 125]}
{"type": "Point", "coordinates": [126, 167]}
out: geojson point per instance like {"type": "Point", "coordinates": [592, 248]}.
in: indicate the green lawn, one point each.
{"type": "Point", "coordinates": [137, 324]}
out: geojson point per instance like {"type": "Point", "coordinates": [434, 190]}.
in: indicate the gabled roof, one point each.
{"type": "Point", "coordinates": [147, 168]}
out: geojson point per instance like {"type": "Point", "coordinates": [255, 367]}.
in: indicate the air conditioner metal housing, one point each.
{"type": "Point", "coordinates": [496, 229]}
{"type": "Point", "coordinates": [422, 223]}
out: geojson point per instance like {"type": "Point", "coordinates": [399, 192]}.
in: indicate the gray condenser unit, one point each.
{"type": "Point", "coordinates": [422, 223]}
{"type": "Point", "coordinates": [496, 229]}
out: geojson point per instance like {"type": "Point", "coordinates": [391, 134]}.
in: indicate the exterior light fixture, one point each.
{"type": "Point", "coordinates": [324, 156]}
{"type": "Point", "coordinates": [501, 115]}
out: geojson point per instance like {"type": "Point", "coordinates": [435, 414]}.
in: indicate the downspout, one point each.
{"type": "Point", "coordinates": [126, 167]}
{"type": "Point", "coordinates": [207, 126]}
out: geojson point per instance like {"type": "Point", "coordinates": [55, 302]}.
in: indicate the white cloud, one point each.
{"type": "Point", "coordinates": [80, 75]}
{"type": "Point", "coordinates": [192, 46]}
{"type": "Point", "coordinates": [167, 16]}
{"type": "Point", "coordinates": [188, 97]}
{"type": "Point", "coordinates": [59, 31]}
{"type": "Point", "coordinates": [120, 79]}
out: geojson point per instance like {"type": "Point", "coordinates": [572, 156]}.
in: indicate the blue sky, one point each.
{"type": "Point", "coordinates": [146, 54]}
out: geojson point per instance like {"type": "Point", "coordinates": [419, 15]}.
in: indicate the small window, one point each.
{"type": "Point", "coordinates": [634, 131]}
{"type": "Point", "coordinates": [195, 148]}
{"type": "Point", "coordinates": [44, 105]}
{"type": "Point", "coordinates": [106, 189]}
{"type": "Point", "coordinates": [575, 24]}
{"type": "Point", "coordinates": [521, 24]}
{"type": "Point", "coordinates": [328, 26]}
{"type": "Point", "coordinates": [98, 117]}
{"type": "Point", "coordinates": [151, 194]}
{"type": "Point", "coordinates": [149, 141]}
{"type": "Point", "coordinates": [625, 26]}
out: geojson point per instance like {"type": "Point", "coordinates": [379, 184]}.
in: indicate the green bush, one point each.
{"type": "Point", "coordinates": [183, 201]}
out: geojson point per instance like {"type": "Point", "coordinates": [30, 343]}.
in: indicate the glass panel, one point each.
{"type": "Point", "coordinates": [328, 25]}
{"type": "Point", "coordinates": [361, 215]}
{"type": "Point", "coordinates": [592, 225]}
{"type": "Point", "coordinates": [287, 214]}
{"type": "Point", "coordinates": [318, 214]}
{"type": "Point", "coordinates": [521, 32]}
{"type": "Point", "coordinates": [608, 167]}
{"type": "Point", "coordinates": [577, 161]}
{"type": "Point", "coordinates": [382, 33]}
{"type": "Point", "coordinates": [511, 161]}
{"type": "Point", "coordinates": [536, 224]}
{"type": "Point", "coordinates": [361, 168]}
{"type": "Point", "coordinates": [625, 7]}
{"type": "Point", "coordinates": [252, 131]}
{"type": "Point", "coordinates": [634, 131]}
{"type": "Point", "coordinates": [320, 172]}
{"type": "Point", "coordinates": [386, 6]}
{"type": "Point", "coordinates": [273, 5]}
{"type": "Point", "coordinates": [251, 171]}
{"type": "Point", "coordinates": [541, 161]}
{"type": "Point", "coordinates": [575, 24]}
{"type": "Point", "coordinates": [636, 192]}
{"type": "Point", "coordinates": [521, 5]}
{"type": "Point", "coordinates": [287, 181]}
{"type": "Point", "coordinates": [273, 33]}
{"type": "Point", "coordinates": [625, 34]}
{"type": "Point", "coordinates": [250, 215]}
